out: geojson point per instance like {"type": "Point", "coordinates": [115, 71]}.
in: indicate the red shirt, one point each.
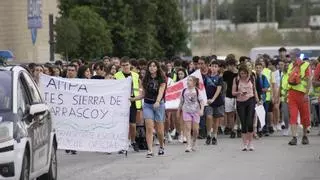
{"type": "Point", "coordinates": [316, 75]}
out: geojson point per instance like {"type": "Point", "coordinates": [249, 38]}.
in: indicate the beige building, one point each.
{"type": "Point", "coordinates": [15, 35]}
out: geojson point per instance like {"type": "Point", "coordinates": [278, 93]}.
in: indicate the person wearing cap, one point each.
{"type": "Point", "coordinates": [298, 95]}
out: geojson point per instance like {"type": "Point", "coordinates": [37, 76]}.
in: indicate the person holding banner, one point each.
{"type": "Point", "coordinates": [71, 73]}
{"type": "Point", "coordinates": [192, 106]}
{"type": "Point", "coordinates": [244, 89]}
{"type": "Point", "coordinates": [135, 91]}
{"type": "Point", "coordinates": [154, 86]}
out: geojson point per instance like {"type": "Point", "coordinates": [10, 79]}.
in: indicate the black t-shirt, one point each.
{"type": "Point", "coordinates": [152, 90]}
{"type": "Point", "coordinates": [211, 84]}
{"type": "Point", "coordinates": [228, 77]}
{"type": "Point", "coordinates": [97, 77]}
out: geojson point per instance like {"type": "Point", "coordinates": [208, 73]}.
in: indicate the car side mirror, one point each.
{"type": "Point", "coordinates": [37, 109]}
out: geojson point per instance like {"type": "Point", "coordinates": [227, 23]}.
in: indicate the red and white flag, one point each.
{"type": "Point", "coordinates": [174, 91]}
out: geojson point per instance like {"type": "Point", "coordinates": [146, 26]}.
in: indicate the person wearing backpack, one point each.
{"type": "Point", "coordinates": [246, 95]}
{"type": "Point", "coordinates": [299, 83]}
{"type": "Point", "coordinates": [192, 106]}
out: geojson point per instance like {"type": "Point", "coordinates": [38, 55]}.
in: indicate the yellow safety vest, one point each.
{"type": "Point", "coordinates": [302, 87]}
{"type": "Point", "coordinates": [135, 82]}
{"type": "Point", "coordinates": [267, 73]}
{"type": "Point", "coordinates": [284, 87]}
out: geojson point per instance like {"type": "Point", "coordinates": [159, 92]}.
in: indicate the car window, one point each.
{"type": "Point", "coordinates": [5, 91]}
{"type": "Point", "coordinates": [33, 90]}
{"type": "Point", "coordinates": [21, 99]}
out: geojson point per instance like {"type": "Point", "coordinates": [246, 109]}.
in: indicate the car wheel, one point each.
{"type": "Point", "coordinates": [25, 170]}
{"type": "Point", "coordinates": [53, 169]}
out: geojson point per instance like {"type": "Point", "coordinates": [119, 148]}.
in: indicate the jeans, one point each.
{"type": "Point", "coordinates": [246, 114]}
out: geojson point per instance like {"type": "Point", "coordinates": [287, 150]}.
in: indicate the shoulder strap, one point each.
{"type": "Point", "coordinates": [237, 84]}
{"type": "Point", "coordinates": [182, 95]}
{"type": "Point", "coordinates": [197, 91]}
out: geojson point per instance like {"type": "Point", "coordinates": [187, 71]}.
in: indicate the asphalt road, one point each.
{"type": "Point", "coordinates": [273, 159]}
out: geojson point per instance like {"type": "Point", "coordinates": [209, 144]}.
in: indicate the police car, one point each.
{"type": "Point", "coordinates": [28, 142]}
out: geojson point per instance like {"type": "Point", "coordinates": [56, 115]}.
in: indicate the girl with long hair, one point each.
{"type": "Point", "coordinates": [192, 106]}
{"type": "Point", "coordinates": [244, 89]}
{"type": "Point", "coordinates": [154, 86]}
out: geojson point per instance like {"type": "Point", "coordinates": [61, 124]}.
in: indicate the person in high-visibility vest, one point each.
{"type": "Point", "coordinates": [267, 104]}
{"type": "Point", "coordinates": [135, 91]}
{"type": "Point", "coordinates": [299, 83]}
{"type": "Point", "coordinates": [283, 94]}
{"type": "Point", "coordinates": [316, 87]}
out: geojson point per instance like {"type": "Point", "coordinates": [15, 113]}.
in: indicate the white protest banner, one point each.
{"type": "Point", "coordinates": [174, 91]}
{"type": "Point", "coordinates": [89, 115]}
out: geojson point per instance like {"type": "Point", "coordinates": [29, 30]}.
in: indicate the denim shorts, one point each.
{"type": "Point", "coordinates": [216, 112]}
{"type": "Point", "coordinates": [157, 114]}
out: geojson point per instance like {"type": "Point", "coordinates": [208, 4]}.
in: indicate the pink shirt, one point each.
{"type": "Point", "coordinates": [243, 86]}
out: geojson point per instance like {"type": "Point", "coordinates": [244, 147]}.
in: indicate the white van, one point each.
{"type": "Point", "coordinates": [307, 51]}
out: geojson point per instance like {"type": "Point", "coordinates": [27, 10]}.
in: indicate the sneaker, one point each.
{"type": "Point", "coordinates": [67, 151]}
{"type": "Point", "coordinates": [149, 154]}
{"type": "Point", "coordinates": [180, 139]}
{"type": "Point", "coordinates": [122, 152]}
{"type": "Point", "coordinates": [156, 142]}
{"type": "Point", "coordinates": [305, 140]}
{"type": "Point", "coordinates": [309, 130]}
{"type": "Point", "coordinates": [250, 147]}
{"type": "Point", "coordinates": [293, 141]}
{"type": "Point", "coordinates": [214, 141]}
{"type": "Point", "coordinates": [208, 141]}
{"type": "Point", "coordinates": [267, 134]}
{"type": "Point", "coordinates": [285, 132]}
{"type": "Point", "coordinates": [135, 147]}
{"type": "Point", "coordinates": [188, 149]}
{"type": "Point", "coordinates": [161, 151]}
{"type": "Point", "coordinates": [73, 152]}
{"type": "Point", "coordinates": [184, 140]}
{"type": "Point", "coordinates": [173, 132]}
{"type": "Point", "coordinates": [244, 148]}
{"type": "Point", "coordinates": [232, 135]}
{"type": "Point", "coordinates": [279, 127]}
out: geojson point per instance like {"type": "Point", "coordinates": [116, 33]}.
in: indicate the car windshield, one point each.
{"type": "Point", "coordinates": [5, 91]}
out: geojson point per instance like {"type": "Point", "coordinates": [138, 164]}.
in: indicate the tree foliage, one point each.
{"type": "Point", "coordinates": [94, 32]}
{"type": "Point", "coordinates": [138, 28]}
{"type": "Point", "coordinates": [67, 36]}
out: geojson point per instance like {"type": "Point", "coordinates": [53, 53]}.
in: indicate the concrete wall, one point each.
{"type": "Point", "coordinates": [15, 35]}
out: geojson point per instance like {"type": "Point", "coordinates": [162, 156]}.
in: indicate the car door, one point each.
{"type": "Point", "coordinates": [40, 126]}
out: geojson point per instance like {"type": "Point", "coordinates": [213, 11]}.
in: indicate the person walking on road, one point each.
{"type": "Point", "coordinates": [135, 91]}
{"type": "Point", "coordinates": [154, 86]}
{"type": "Point", "coordinates": [299, 83]}
{"type": "Point", "coordinates": [192, 106]}
{"type": "Point", "coordinates": [245, 91]}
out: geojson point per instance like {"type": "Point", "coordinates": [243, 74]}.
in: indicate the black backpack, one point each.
{"type": "Point", "coordinates": [141, 138]}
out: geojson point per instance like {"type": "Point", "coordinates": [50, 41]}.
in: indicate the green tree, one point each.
{"type": "Point", "coordinates": [67, 37]}
{"type": "Point", "coordinates": [138, 28]}
{"type": "Point", "coordinates": [171, 29]}
{"type": "Point", "coordinates": [94, 32]}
